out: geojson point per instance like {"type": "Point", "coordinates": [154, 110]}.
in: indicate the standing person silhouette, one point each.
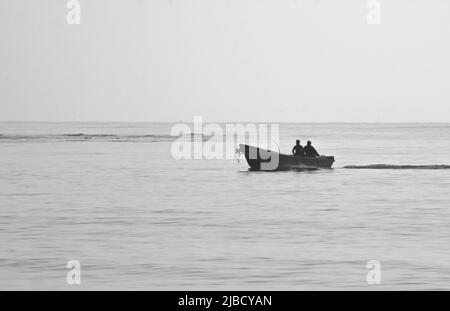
{"type": "Point", "coordinates": [297, 150]}
{"type": "Point", "coordinates": [310, 151]}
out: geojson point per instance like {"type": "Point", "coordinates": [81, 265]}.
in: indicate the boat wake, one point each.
{"type": "Point", "coordinates": [398, 167]}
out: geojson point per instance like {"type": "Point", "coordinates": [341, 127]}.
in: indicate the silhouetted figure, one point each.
{"type": "Point", "coordinates": [310, 151]}
{"type": "Point", "coordinates": [298, 149]}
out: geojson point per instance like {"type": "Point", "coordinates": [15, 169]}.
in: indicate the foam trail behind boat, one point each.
{"type": "Point", "coordinates": [398, 167]}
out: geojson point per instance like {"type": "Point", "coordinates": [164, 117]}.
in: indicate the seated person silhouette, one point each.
{"type": "Point", "coordinates": [310, 151]}
{"type": "Point", "coordinates": [298, 149]}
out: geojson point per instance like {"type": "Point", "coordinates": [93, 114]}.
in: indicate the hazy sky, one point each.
{"type": "Point", "coordinates": [226, 60]}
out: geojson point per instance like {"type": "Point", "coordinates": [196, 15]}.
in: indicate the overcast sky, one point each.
{"type": "Point", "coordinates": [226, 60]}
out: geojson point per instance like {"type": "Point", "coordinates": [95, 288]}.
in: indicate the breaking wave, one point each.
{"type": "Point", "coordinates": [398, 167]}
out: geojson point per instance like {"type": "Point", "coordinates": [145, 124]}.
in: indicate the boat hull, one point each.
{"type": "Point", "coordinates": [260, 159]}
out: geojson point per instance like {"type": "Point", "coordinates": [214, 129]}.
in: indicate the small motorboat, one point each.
{"type": "Point", "coordinates": [265, 160]}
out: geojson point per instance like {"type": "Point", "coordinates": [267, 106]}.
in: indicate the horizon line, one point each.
{"type": "Point", "coordinates": [222, 122]}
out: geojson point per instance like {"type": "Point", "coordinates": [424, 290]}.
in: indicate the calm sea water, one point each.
{"type": "Point", "coordinates": [111, 196]}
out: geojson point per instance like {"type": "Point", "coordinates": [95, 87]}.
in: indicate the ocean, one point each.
{"type": "Point", "coordinates": [112, 197]}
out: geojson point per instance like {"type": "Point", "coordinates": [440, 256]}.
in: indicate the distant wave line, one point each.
{"type": "Point", "coordinates": [109, 137]}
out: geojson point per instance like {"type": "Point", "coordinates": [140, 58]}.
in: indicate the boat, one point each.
{"type": "Point", "coordinates": [261, 160]}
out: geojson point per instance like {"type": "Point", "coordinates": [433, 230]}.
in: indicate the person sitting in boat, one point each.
{"type": "Point", "coordinates": [298, 149]}
{"type": "Point", "coordinates": [310, 151]}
